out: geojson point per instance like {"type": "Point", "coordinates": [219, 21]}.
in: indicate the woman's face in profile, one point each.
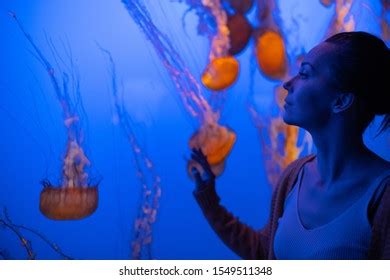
{"type": "Point", "coordinates": [311, 92]}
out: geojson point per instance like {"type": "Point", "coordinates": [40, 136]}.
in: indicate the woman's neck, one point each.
{"type": "Point", "coordinates": [339, 154]}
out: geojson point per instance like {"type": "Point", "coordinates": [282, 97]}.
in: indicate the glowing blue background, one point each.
{"type": "Point", "coordinates": [33, 138]}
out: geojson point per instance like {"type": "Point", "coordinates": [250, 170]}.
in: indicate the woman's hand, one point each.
{"type": "Point", "coordinates": [205, 179]}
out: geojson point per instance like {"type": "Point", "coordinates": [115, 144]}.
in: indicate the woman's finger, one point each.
{"type": "Point", "coordinates": [204, 164]}
{"type": "Point", "coordinates": [200, 156]}
{"type": "Point", "coordinates": [199, 159]}
{"type": "Point", "coordinates": [196, 153]}
{"type": "Point", "coordinates": [198, 178]}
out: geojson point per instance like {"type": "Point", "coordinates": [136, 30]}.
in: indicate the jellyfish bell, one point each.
{"type": "Point", "coordinates": [240, 31]}
{"type": "Point", "coordinates": [240, 6]}
{"type": "Point", "coordinates": [215, 141]}
{"type": "Point", "coordinates": [67, 203]}
{"type": "Point", "coordinates": [220, 73]}
{"type": "Point", "coordinates": [217, 169]}
{"type": "Point", "coordinates": [271, 54]}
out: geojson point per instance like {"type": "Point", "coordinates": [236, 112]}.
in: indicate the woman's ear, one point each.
{"type": "Point", "coordinates": [342, 102]}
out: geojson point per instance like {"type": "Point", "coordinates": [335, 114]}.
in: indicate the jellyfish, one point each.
{"type": "Point", "coordinates": [222, 70]}
{"type": "Point", "coordinates": [74, 199]}
{"type": "Point", "coordinates": [270, 48]}
{"type": "Point", "coordinates": [229, 34]}
{"type": "Point", "coordinates": [216, 142]}
{"type": "Point", "coordinates": [232, 35]}
{"type": "Point", "coordinates": [214, 139]}
{"type": "Point", "coordinates": [149, 180]}
{"type": "Point", "coordinates": [271, 54]}
{"type": "Point", "coordinates": [240, 31]}
{"type": "Point", "coordinates": [220, 73]}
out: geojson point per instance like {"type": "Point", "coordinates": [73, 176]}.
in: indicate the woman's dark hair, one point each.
{"type": "Point", "coordinates": [362, 67]}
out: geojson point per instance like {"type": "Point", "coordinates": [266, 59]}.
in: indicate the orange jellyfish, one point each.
{"type": "Point", "coordinates": [229, 34]}
{"type": "Point", "coordinates": [221, 73]}
{"type": "Point", "coordinates": [222, 70]}
{"type": "Point", "coordinates": [240, 31]}
{"type": "Point", "coordinates": [269, 42]}
{"type": "Point", "coordinates": [240, 6]}
{"type": "Point", "coordinates": [271, 54]}
{"type": "Point", "coordinates": [216, 142]}
{"type": "Point", "coordinates": [68, 203]}
{"type": "Point", "coordinates": [74, 199]}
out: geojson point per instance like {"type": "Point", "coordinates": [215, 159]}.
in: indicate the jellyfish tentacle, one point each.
{"type": "Point", "coordinates": [7, 222]}
{"type": "Point", "coordinates": [147, 176]}
{"type": "Point", "coordinates": [73, 200]}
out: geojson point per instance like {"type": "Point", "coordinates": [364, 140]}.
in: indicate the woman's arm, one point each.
{"type": "Point", "coordinates": [242, 239]}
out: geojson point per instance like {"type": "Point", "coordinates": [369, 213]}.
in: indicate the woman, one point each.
{"type": "Point", "coordinates": [335, 204]}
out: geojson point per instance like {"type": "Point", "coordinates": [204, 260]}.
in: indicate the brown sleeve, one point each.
{"type": "Point", "coordinates": [242, 239]}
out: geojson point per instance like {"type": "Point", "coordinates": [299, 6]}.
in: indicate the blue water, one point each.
{"type": "Point", "coordinates": [33, 137]}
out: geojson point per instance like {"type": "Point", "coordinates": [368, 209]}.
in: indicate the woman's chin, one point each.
{"type": "Point", "coordinates": [286, 118]}
{"type": "Point", "coordinates": [290, 121]}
